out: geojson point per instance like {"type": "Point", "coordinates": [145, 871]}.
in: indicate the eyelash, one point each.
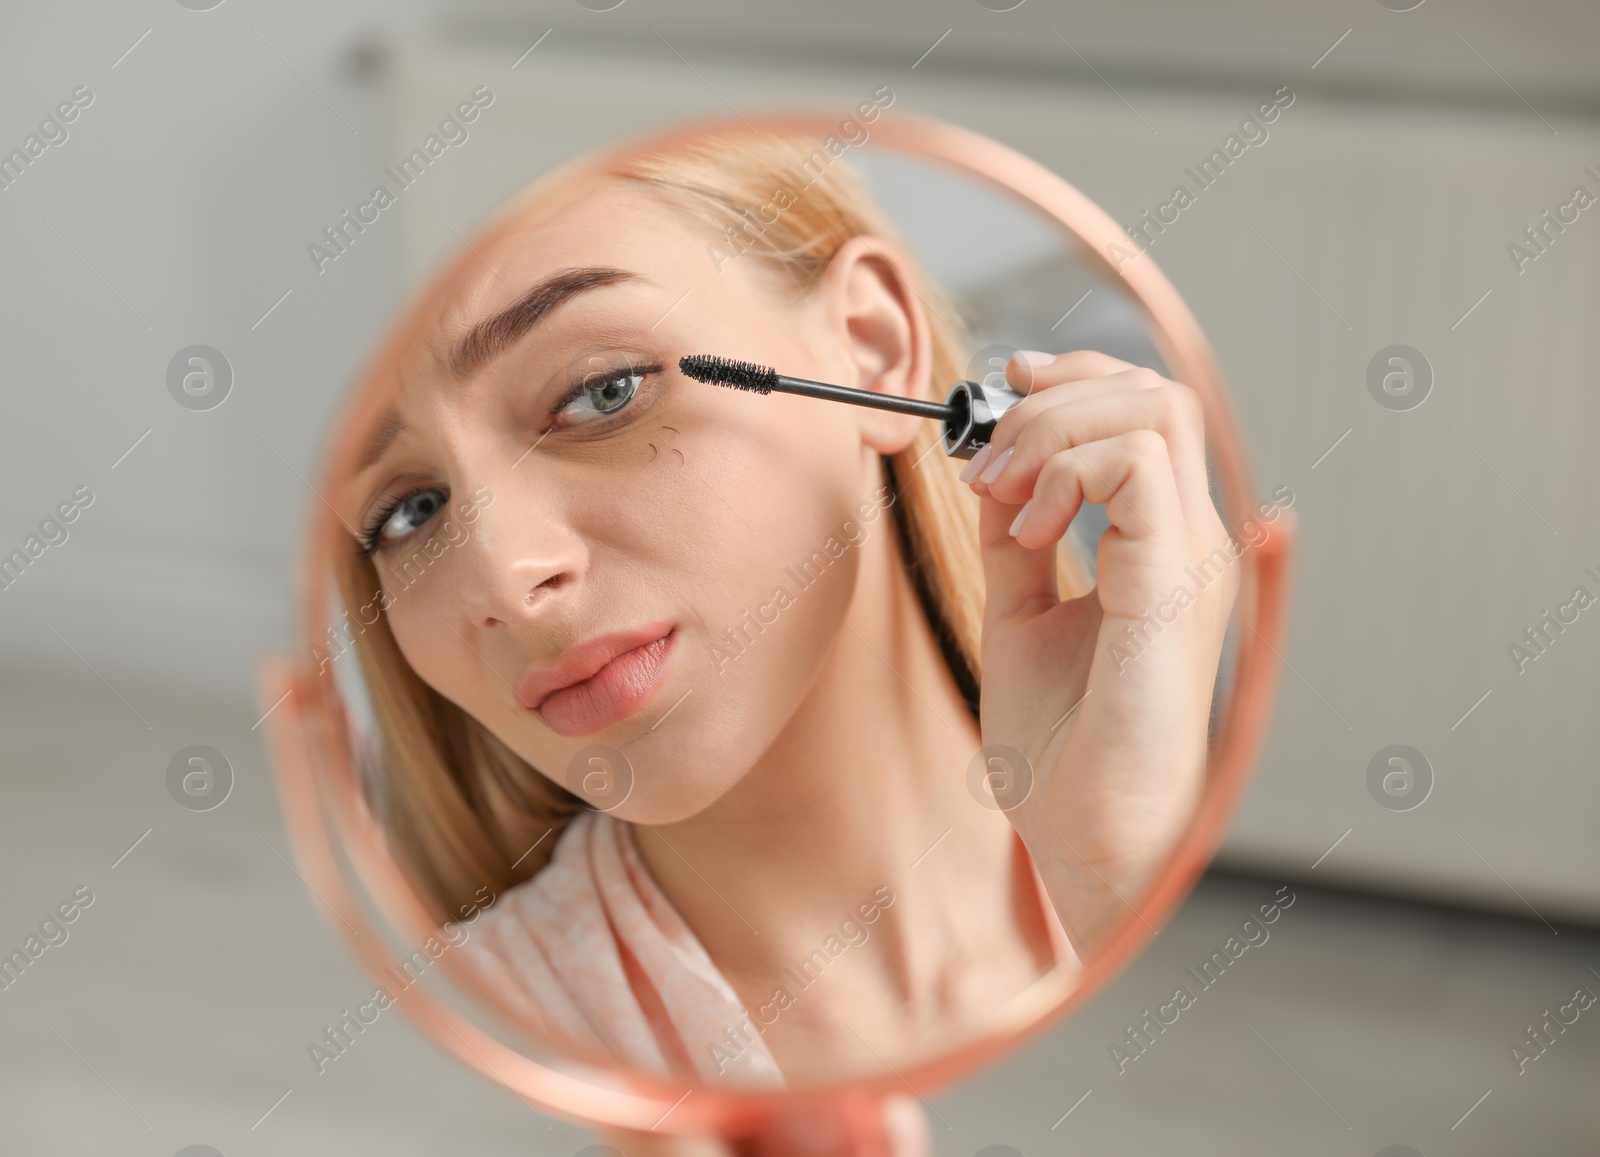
{"type": "Point", "coordinates": [371, 544]}
{"type": "Point", "coordinates": [591, 383]}
{"type": "Point", "coordinates": [588, 384]}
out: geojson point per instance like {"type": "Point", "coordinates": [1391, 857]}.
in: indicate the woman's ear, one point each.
{"type": "Point", "coordinates": [879, 324]}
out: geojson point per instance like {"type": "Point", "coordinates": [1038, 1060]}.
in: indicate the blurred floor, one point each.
{"type": "Point", "coordinates": [179, 1009]}
{"type": "Point", "coordinates": [1360, 1023]}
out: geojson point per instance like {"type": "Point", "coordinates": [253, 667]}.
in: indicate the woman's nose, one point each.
{"type": "Point", "coordinates": [518, 564]}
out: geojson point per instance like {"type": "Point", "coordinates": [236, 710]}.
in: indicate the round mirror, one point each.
{"type": "Point", "coordinates": [788, 609]}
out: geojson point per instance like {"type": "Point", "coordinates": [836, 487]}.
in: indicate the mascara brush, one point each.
{"type": "Point", "coordinates": [968, 415]}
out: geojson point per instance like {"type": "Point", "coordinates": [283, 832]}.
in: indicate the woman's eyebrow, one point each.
{"type": "Point", "coordinates": [491, 336]}
{"type": "Point", "coordinates": [389, 428]}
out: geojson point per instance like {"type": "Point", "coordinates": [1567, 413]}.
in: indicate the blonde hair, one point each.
{"type": "Point", "coordinates": [459, 806]}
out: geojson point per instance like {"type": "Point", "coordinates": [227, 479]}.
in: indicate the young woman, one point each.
{"type": "Point", "coordinates": [760, 622]}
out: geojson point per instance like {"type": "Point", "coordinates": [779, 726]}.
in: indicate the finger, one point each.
{"type": "Point", "coordinates": [1032, 370]}
{"type": "Point", "coordinates": [1121, 381]}
{"type": "Point", "coordinates": [1126, 380]}
{"type": "Point", "coordinates": [1049, 393]}
{"type": "Point", "coordinates": [1170, 410]}
{"type": "Point", "coordinates": [1129, 474]}
{"type": "Point", "coordinates": [1019, 582]}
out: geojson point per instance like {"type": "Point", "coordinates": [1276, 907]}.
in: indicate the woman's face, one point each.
{"type": "Point", "coordinates": [550, 491]}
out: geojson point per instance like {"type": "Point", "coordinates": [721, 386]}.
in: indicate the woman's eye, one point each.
{"type": "Point", "coordinates": [599, 396]}
{"type": "Point", "coordinates": [411, 513]}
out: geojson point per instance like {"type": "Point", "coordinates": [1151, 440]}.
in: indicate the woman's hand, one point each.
{"type": "Point", "coordinates": [1108, 696]}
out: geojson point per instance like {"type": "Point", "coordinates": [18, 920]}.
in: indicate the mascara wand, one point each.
{"type": "Point", "coordinates": [968, 414]}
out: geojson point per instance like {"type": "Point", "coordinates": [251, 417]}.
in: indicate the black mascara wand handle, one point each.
{"type": "Point", "coordinates": [876, 401]}
{"type": "Point", "coordinates": [969, 417]}
{"type": "Point", "coordinates": [969, 414]}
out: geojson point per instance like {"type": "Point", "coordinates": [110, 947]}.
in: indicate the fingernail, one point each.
{"type": "Point", "coordinates": [998, 465]}
{"type": "Point", "coordinates": [975, 464]}
{"type": "Point", "coordinates": [1016, 523]}
{"type": "Point", "coordinates": [1034, 357]}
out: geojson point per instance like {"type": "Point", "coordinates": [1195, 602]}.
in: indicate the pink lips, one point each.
{"type": "Point", "coordinates": [599, 682]}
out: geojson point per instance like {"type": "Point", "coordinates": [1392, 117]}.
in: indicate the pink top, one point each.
{"type": "Point", "coordinates": [592, 950]}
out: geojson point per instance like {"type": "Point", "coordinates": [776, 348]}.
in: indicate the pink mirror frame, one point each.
{"type": "Point", "coordinates": [326, 811]}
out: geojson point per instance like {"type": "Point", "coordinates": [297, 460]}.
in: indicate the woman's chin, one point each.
{"type": "Point", "coordinates": [671, 809]}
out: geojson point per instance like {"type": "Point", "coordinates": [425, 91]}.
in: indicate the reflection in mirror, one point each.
{"type": "Point", "coordinates": [750, 739]}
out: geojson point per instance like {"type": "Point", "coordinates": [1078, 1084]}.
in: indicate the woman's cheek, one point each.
{"type": "Point", "coordinates": [419, 624]}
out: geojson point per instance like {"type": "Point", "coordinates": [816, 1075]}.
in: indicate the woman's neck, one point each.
{"type": "Point", "coordinates": [864, 794]}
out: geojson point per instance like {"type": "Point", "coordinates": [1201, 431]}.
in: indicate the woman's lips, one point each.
{"type": "Point", "coordinates": [613, 692]}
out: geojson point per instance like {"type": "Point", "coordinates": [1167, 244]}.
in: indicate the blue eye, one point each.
{"type": "Point", "coordinates": [403, 518]}
{"type": "Point", "coordinates": [601, 395]}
